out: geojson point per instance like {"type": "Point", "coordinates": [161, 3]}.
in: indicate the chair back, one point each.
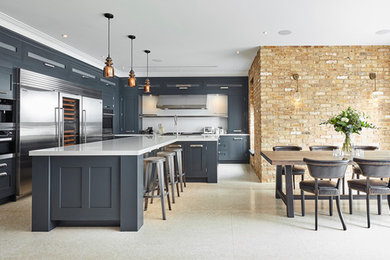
{"type": "Point", "coordinates": [287, 148]}
{"type": "Point", "coordinates": [366, 147]}
{"type": "Point", "coordinates": [326, 169]}
{"type": "Point", "coordinates": [323, 147]}
{"type": "Point", "coordinates": [374, 168]}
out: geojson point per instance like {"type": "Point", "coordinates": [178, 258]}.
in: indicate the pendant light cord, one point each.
{"type": "Point", "coordinates": [108, 39]}
{"type": "Point", "coordinates": [147, 65]}
{"type": "Point", "coordinates": [131, 54]}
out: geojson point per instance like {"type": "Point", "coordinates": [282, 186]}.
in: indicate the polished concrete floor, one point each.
{"type": "Point", "coordinates": [238, 218]}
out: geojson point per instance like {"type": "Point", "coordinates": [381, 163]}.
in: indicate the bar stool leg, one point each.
{"type": "Point", "coordinates": [169, 168]}
{"type": "Point", "coordinates": [166, 188]}
{"type": "Point", "coordinates": [173, 175]}
{"type": "Point", "coordinates": [180, 169]}
{"type": "Point", "coordinates": [331, 206]}
{"type": "Point", "coordinates": [160, 173]}
{"type": "Point", "coordinates": [350, 196]}
{"type": "Point", "coordinates": [379, 204]}
{"type": "Point", "coordinates": [147, 184]}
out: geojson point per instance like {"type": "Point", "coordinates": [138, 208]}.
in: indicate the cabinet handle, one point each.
{"type": "Point", "coordinates": [2, 174]}
{"type": "Point", "coordinates": [130, 131]}
{"type": "Point", "coordinates": [3, 165]}
{"type": "Point", "coordinates": [10, 82]}
{"type": "Point", "coordinates": [3, 93]}
{"type": "Point", "coordinates": [237, 138]}
{"type": "Point", "coordinates": [174, 145]}
{"type": "Point", "coordinates": [237, 131]}
{"type": "Point", "coordinates": [49, 65]}
{"type": "Point", "coordinates": [183, 88]}
{"type": "Point", "coordinates": [196, 145]}
{"type": "Point", "coordinates": [223, 87]}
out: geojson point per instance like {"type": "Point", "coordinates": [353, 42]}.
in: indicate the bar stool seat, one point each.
{"type": "Point", "coordinates": [170, 169]}
{"type": "Point", "coordinates": [180, 175]}
{"type": "Point", "coordinates": [156, 180]}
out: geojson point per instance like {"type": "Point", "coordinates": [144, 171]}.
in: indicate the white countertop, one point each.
{"type": "Point", "coordinates": [133, 145]}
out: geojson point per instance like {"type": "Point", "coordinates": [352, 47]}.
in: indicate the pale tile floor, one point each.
{"type": "Point", "coordinates": [238, 218]}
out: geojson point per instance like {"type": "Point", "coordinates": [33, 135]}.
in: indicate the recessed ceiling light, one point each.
{"type": "Point", "coordinates": [237, 52]}
{"type": "Point", "coordinates": [64, 36]}
{"type": "Point", "coordinates": [381, 32]}
{"type": "Point", "coordinates": [265, 33]}
{"type": "Point", "coordinates": [157, 60]}
{"type": "Point", "coordinates": [284, 32]}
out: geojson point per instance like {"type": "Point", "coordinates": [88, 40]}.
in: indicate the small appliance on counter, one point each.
{"type": "Point", "coordinates": [208, 130]}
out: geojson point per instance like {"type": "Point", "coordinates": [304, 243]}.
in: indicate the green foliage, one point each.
{"type": "Point", "coordinates": [349, 121]}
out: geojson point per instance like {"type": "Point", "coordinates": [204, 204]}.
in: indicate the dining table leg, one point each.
{"type": "Point", "coordinates": [278, 188]}
{"type": "Point", "coordinates": [289, 191]}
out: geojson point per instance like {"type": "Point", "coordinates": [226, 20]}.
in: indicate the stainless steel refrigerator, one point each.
{"type": "Point", "coordinates": [52, 112]}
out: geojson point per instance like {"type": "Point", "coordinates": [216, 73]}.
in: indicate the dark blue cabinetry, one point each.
{"type": "Point", "coordinates": [7, 179]}
{"type": "Point", "coordinates": [233, 149]}
{"type": "Point", "coordinates": [237, 114]}
{"type": "Point", "coordinates": [200, 160]}
{"type": "Point", "coordinates": [6, 83]}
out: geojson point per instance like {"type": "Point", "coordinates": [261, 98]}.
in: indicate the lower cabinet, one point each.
{"type": "Point", "coordinates": [7, 180]}
{"type": "Point", "coordinates": [85, 189]}
{"type": "Point", "coordinates": [233, 149]}
{"type": "Point", "coordinates": [200, 160]}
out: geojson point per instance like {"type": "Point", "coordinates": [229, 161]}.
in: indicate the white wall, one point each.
{"type": "Point", "coordinates": [216, 105]}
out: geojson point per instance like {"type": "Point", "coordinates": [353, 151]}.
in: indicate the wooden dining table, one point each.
{"type": "Point", "coordinates": [287, 159]}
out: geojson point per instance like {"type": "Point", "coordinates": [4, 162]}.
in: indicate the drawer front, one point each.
{"type": "Point", "coordinates": [7, 178]}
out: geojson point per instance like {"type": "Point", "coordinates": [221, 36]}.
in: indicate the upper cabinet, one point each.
{"type": "Point", "coordinates": [237, 114]}
{"type": "Point", "coordinates": [6, 83]}
{"type": "Point", "coordinates": [44, 61]}
{"type": "Point", "coordinates": [10, 48]}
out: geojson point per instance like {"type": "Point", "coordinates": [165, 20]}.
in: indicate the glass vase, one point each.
{"type": "Point", "coordinates": [347, 145]}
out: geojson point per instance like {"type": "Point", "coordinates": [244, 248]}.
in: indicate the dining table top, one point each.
{"type": "Point", "coordinates": [296, 157]}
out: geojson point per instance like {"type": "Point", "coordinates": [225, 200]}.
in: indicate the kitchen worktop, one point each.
{"type": "Point", "coordinates": [135, 145]}
{"type": "Point", "coordinates": [126, 144]}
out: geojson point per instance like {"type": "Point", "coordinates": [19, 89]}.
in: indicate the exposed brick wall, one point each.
{"type": "Point", "coordinates": [331, 79]}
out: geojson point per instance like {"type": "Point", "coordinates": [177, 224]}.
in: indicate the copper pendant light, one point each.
{"type": "Point", "coordinates": [108, 71]}
{"type": "Point", "coordinates": [132, 81]}
{"type": "Point", "coordinates": [147, 81]}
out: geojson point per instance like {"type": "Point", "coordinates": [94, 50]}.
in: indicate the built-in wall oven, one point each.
{"type": "Point", "coordinates": [7, 150]}
{"type": "Point", "coordinates": [108, 121]}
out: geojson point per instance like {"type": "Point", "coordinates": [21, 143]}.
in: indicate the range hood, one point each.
{"type": "Point", "coordinates": [182, 102]}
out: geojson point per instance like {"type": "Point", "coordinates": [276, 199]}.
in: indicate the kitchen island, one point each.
{"type": "Point", "coordinates": [99, 183]}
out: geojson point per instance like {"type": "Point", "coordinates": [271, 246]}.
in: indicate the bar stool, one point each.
{"type": "Point", "coordinates": [151, 179]}
{"type": "Point", "coordinates": [170, 169]}
{"type": "Point", "coordinates": [180, 175]}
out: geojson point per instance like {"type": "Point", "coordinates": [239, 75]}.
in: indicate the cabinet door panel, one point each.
{"type": "Point", "coordinates": [6, 83]}
{"type": "Point", "coordinates": [196, 160]}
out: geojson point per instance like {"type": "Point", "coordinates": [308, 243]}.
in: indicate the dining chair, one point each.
{"type": "Point", "coordinates": [296, 170]}
{"type": "Point", "coordinates": [356, 170]}
{"type": "Point", "coordinates": [321, 169]}
{"type": "Point", "coordinates": [371, 169]}
{"type": "Point", "coordinates": [323, 147]}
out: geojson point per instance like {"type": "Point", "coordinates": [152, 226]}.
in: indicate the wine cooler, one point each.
{"type": "Point", "coordinates": [71, 121]}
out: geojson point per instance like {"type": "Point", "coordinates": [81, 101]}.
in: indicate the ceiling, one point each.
{"type": "Point", "coordinates": [194, 38]}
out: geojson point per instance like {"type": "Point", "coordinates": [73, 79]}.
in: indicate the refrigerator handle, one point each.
{"type": "Point", "coordinates": [62, 126]}
{"type": "Point", "coordinates": [57, 124]}
{"type": "Point", "coordinates": [84, 115]}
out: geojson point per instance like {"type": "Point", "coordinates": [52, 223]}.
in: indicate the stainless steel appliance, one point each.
{"type": "Point", "coordinates": [52, 112]}
{"type": "Point", "coordinates": [108, 121]}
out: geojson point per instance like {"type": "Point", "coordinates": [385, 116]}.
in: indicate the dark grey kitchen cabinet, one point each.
{"type": "Point", "coordinates": [83, 188]}
{"type": "Point", "coordinates": [6, 83]}
{"type": "Point", "coordinates": [129, 114]}
{"type": "Point", "coordinates": [108, 94]}
{"type": "Point", "coordinates": [196, 160]}
{"type": "Point", "coordinates": [10, 47]}
{"type": "Point", "coordinates": [237, 114]}
{"type": "Point", "coordinates": [233, 149]}
{"type": "Point", "coordinates": [200, 160]}
{"type": "Point", "coordinates": [7, 180]}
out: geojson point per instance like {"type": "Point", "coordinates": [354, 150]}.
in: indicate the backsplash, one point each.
{"type": "Point", "coordinates": [215, 115]}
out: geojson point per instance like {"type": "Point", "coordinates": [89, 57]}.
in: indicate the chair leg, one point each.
{"type": "Point", "coordinates": [316, 212]}
{"type": "Point", "coordinates": [331, 206]}
{"type": "Point", "coordinates": [294, 182]}
{"type": "Point", "coordinates": [388, 200]}
{"type": "Point", "coordinates": [350, 196]}
{"type": "Point", "coordinates": [368, 210]}
{"type": "Point", "coordinates": [340, 213]}
{"type": "Point", "coordinates": [379, 204]}
{"type": "Point", "coordinates": [303, 202]}
{"type": "Point", "coordinates": [343, 180]}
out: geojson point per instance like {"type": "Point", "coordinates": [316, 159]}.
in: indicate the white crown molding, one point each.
{"type": "Point", "coordinates": [45, 39]}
